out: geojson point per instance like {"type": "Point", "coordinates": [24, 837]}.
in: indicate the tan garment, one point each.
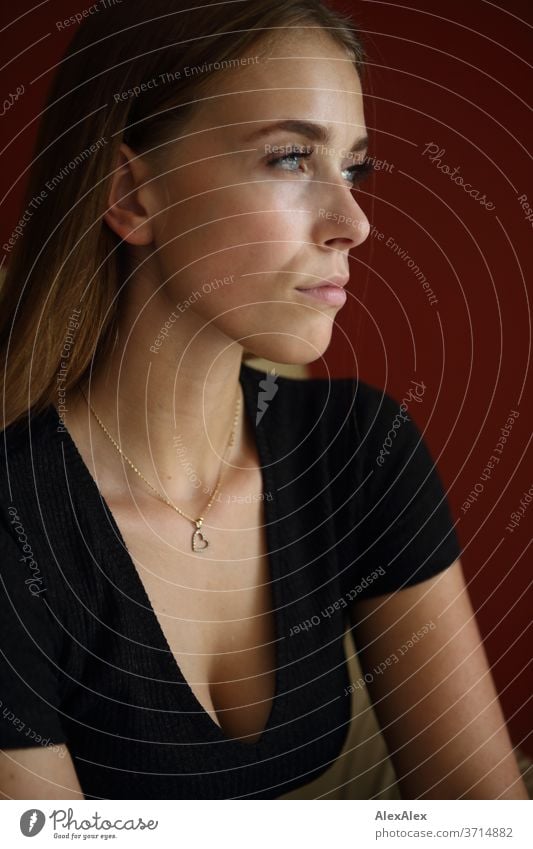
{"type": "Point", "coordinates": [363, 769]}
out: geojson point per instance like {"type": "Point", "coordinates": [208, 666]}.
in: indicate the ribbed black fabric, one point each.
{"type": "Point", "coordinates": [83, 659]}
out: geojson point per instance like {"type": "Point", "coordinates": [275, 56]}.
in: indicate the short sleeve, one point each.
{"type": "Point", "coordinates": [28, 684]}
{"type": "Point", "coordinates": [404, 528]}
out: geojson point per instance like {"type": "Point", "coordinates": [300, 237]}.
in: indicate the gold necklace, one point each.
{"type": "Point", "coordinates": [198, 540]}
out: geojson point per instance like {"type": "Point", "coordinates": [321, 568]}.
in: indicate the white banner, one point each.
{"type": "Point", "coordinates": [236, 823]}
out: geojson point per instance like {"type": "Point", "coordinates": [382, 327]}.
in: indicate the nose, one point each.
{"type": "Point", "coordinates": [340, 219]}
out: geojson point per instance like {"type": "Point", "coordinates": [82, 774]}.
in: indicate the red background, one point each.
{"type": "Point", "coordinates": [453, 73]}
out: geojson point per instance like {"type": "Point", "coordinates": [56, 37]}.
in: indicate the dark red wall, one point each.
{"type": "Point", "coordinates": [453, 74]}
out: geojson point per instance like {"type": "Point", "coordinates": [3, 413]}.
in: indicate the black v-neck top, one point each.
{"type": "Point", "coordinates": [353, 507]}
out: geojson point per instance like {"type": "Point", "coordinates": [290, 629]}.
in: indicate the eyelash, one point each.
{"type": "Point", "coordinates": [359, 172]}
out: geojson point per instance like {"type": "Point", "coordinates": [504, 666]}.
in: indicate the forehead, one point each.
{"type": "Point", "coordinates": [307, 76]}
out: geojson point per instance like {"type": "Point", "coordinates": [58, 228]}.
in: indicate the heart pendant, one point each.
{"type": "Point", "coordinates": [198, 537]}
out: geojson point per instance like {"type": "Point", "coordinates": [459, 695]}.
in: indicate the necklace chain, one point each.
{"type": "Point", "coordinates": [198, 541]}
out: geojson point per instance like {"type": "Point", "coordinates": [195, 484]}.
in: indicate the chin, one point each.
{"type": "Point", "coordinates": [294, 352]}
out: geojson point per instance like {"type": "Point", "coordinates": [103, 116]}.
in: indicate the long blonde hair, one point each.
{"type": "Point", "coordinates": [60, 297]}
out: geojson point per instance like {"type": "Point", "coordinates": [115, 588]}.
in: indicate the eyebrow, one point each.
{"type": "Point", "coordinates": [315, 132]}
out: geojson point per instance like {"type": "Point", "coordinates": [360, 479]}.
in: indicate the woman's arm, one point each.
{"type": "Point", "coordinates": [435, 700]}
{"type": "Point", "coordinates": [38, 773]}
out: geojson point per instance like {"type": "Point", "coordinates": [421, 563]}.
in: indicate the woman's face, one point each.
{"type": "Point", "coordinates": [240, 232]}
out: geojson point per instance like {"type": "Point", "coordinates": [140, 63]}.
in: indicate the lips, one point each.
{"type": "Point", "coordinates": [326, 292]}
{"type": "Point", "coordinates": [331, 281]}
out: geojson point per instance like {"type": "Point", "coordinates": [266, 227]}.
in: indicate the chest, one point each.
{"type": "Point", "coordinates": [214, 607]}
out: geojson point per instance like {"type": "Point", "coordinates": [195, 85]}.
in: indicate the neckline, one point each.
{"type": "Point", "coordinates": [136, 592]}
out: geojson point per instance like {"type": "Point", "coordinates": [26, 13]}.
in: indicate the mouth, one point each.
{"type": "Point", "coordinates": [327, 291]}
{"type": "Point", "coordinates": [331, 281]}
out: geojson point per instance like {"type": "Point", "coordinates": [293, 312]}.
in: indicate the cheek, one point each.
{"type": "Point", "coordinates": [239, 230]}
{"type": "Point", "coordinates": [256, 212]}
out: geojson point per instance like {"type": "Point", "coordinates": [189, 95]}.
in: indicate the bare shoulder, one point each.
{"type": "Point", "coordinates": [38, 772]}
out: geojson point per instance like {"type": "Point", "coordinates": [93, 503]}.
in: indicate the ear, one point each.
{"type": "Point", "coordinates": [131, 204]}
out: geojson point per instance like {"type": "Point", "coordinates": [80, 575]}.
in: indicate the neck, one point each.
{"type": "Point", "coordinates": [171, 412]}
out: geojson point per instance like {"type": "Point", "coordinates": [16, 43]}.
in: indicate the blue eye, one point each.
{"type": "Point", "coordinates": [357, 172]}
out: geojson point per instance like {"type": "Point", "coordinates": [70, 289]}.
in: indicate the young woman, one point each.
{"type": "Point", "coordinates": [185, 539]}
